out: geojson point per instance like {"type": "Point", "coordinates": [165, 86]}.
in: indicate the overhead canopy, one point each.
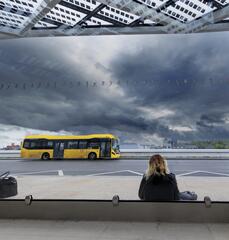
{"type": "Point", "coordinates": [40, 18]}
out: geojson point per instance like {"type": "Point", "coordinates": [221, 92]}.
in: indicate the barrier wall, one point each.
{"type": "Point", "coordinates": [101, 210]}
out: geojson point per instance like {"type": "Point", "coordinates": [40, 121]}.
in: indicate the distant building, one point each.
{"type": "Point", "coordinates": [186, 145]}
{"type": "Point", "coordinates": [13, 146]}
{"type": "Point", "coordinates": [169, 143]}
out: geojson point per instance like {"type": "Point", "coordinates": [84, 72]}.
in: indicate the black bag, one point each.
{"type": "Point", "coordinates": [8, 185]}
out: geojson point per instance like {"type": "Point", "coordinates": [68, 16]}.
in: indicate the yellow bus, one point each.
{"type": "Point", "coordinates": [94, 146]}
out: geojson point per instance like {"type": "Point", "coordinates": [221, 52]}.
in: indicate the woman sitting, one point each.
{"type": "Point", "coordinates": [159, 185]}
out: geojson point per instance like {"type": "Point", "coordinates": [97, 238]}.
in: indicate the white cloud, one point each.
{"type": "Point", "coordinates": [14, 134]}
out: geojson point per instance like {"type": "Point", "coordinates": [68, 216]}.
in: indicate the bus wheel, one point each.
{"type": "Point", "coordinates": [92, 156]}
{"type": "Point", "coordinates": [45, 156]}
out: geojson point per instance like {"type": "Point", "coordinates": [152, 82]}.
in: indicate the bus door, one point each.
{"type": "Point", "coordinates": [58, 151]}
{"type": "Point", "coordinates": [105, 148]}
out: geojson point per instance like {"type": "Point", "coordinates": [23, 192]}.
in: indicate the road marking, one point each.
{"type": "Point", "coordinates": [10, 160]}
{"type": "Point", "coordinates": [213, 173]}
{"type": "Point", "coordinates": [216, 173]}
{"type": "Point", "coordinates": [31, 173]}
{"type": "Point", "coordinates": [137, 173]}
{"type": "Point", "coordinates": [186, 174]}
{"type": "Point", "coordinates": [105, 173]}
{"type": "Point", "coordinates": [60, 173]}
{"type": "Point", "coordinates": [121, 171]}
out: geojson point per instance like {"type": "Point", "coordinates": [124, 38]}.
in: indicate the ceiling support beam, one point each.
{"type": "Point", "coordinates": [91, 14]}
{"type": "Point", "coordinates": [140, 9]}
{"type": "Point", "coordinates": [210, 18]}
{"type": "Point", "coordinates": [88, 12]}
{"type": "Point", "coordinates": [38, 14]}
{"type": "Point", "coordinates": [165, 5]}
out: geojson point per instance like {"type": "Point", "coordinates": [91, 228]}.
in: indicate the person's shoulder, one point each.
{"type": "Point", "coordinates": [172, 176]}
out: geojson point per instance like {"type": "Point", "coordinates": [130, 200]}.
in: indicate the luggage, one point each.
{"type": "Point", "coordinates": [8, 185]}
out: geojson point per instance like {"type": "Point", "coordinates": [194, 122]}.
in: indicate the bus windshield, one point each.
{"type": "Point", "coordinates": [115, 145]}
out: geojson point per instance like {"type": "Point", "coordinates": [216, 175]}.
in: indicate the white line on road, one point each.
{"type": "Point", "coordinates": [60, 173]}
{"type": "Point", "coordinates": [137, 173]}
{"type": "Point", "coordinates": [31, 173]}
{"type": "Point", "coordinates": [212, 173]}
{"type": "Point", "coordinates": [105, 173]}
{"type": "Point", "coordinates": [10, 160]}
{"type": "Point", "coordinates": [188, 173]}
{"type": "Point", "coordinates": [216, 173]}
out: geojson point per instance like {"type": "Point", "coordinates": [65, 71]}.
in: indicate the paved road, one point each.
{"type": "Point", "coordinates": [112, 167]}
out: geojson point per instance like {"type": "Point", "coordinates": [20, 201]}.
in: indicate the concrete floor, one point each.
{"type": "Point", "coordinates": [54, 230]}
{"type": "Point", "coordinates": [105, 187]}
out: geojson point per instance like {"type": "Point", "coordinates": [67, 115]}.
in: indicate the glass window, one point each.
{"type": "Point", "coordinates": [72, 144]}
{"type": "Point", "coordinates": [94, 143]}
{"type": "Point", "coordinates": [26, 144]}
{"type": "Point", "coordinates": [82, 144]}
{"type": "Point", "coordinates": [33, 144]}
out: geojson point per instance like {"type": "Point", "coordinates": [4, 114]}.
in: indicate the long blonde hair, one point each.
{"type": "Point", "coordinates": [157, 165]}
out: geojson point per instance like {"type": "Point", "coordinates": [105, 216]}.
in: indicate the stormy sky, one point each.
{"type": "Point", "coordinates": [141, 88]}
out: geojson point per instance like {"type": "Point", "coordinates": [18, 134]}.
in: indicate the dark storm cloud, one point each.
{"type": "Point", "coordinates": [184, 75]}
{"type": "Point", "coordinates": [58, 84]}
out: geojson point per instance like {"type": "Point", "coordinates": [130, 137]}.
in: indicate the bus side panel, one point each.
{"type": "Point", "coordinates": [72, 153]}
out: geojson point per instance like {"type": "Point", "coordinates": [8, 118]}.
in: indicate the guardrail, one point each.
{"type": "Point", "coordinates": [146, 153]}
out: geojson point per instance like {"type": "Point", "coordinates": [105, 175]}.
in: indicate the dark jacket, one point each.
{"type": "Point", "coordinates": [159, 188]}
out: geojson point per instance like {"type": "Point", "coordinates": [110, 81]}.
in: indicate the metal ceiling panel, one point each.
{"type": "Point", "coordinates": [40, 18]}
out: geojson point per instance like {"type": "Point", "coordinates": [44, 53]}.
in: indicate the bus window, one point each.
{"type": "Point", "coordinates": [115, 145]}
{"type": "Point", "coordinates": [72, 144]}
{"type": "Point", "coordinates": [94, 144]}
{"type": "Point", "coordinates": [38, 144]}
{"type": "Point", "coordinates": [26, 144]}
{"type": "Point", "coordinates": [49, 145]}
{"type": "Point", "coordinates": [33, 144]}
{"type": "Point", "coordinates": [82, 144]}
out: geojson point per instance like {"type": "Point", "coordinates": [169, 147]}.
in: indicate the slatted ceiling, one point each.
{"type": "Point", "coordinates": [64, 15]}
{"type": "Point", "coordinates": [223, 2]}
{"type": "Point", "coordinates": [118, 15]}
{"type": "Point", "coordinates": [11, 19]}
{"type": "Point", "coordinates": [69, 16]}
{"type": "Point", "coordinates": [96, 21]}
{"type": "Point", "coordinates": [42, 24]}
{"type": "Point", "coordinates": [186, 10]}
